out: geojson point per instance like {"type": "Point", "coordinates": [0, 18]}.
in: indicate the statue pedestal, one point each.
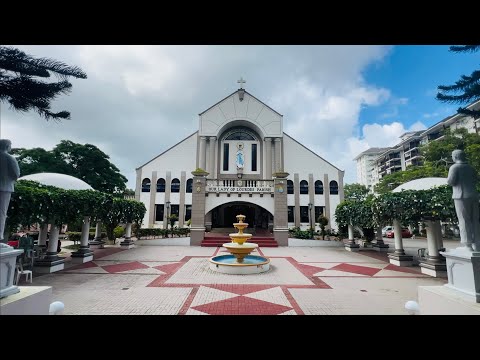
{"type": "Point", "coordinates": [8, 259]}
{"type": "Point", "coordinates": [441, 300]}
{"type": "Point", "coordinates": [32, 300]}
{"type": "Point", "coordinates": [463, 269]}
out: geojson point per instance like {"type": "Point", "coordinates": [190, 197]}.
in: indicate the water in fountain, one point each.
{"type": "Point", "coordinates": [240, 261]}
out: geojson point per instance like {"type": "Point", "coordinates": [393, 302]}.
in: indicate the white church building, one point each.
{"type": "Point", "coordinates": [239, 162]}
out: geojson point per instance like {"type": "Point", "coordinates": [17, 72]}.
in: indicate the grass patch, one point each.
{"type": "Point", "coordinates": [72, 247]}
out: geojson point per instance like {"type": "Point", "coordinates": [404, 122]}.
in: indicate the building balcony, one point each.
{"type": "Point", "coordinates": [240, 186]}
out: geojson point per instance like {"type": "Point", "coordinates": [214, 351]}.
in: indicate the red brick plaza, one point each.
{"type": "Point", "coordinates": [176, 280]}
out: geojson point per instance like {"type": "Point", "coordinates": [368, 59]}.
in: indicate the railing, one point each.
{"type": "Point", "coordinates": [240, 185]}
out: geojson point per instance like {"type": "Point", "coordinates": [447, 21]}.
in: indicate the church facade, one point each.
{"type": "Point", "coordinates": [239, 161]}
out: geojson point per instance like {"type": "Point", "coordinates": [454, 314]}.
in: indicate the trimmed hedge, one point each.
{"type": "Point", "coordinates": [152, 233]}
{"type": "Point", "coordinates": [75, 235]}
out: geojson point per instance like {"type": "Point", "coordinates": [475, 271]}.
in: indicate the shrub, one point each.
{"type": "Point", "coordinates": [118, 232]}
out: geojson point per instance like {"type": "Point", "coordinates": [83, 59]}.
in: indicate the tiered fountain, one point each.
{"type": "Point", "coordinates": [240, 261]}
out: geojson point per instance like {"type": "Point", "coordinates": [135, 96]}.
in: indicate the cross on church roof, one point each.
{"type": "Point", "coordinates": [241, 82]}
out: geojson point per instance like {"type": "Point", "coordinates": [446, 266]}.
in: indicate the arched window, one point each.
{"type": "Point", "coordinates": [146, 185]}
{"type": "Point", "coordinates": [175, 186]}
{"type": "Point", "coordinates": [303, 187]}
{"type": "Point", "coordinates": [239, 134]}
{"type": "Point", "coordinates": [161, 185]}
{"type": "Point", "coordinates": [289, 187]}
{"type": "Point", "coordinates": [318, 187]}
{"type": "Point", "coordinates": [333, 187]}
{"type": "Point", "coordinates": [189, 185]}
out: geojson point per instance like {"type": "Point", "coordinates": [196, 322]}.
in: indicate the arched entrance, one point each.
{"type": "Point", "coordinates": [223, 216]}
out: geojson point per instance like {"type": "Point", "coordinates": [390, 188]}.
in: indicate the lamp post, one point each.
{"type": "Point", "coordinates": [167, 204]}
{"type": "Point", "coordinates": [310, 206]}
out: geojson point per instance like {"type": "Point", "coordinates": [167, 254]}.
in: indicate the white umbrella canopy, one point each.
{"type": "Point", "coordinates": [62, 181]}
{"type": "Point", "coordinates": [422, 184]}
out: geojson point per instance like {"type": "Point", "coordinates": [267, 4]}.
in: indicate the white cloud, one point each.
{"type": "Point", "coordinates": [374, 135]}
{"type": "Point", "coordinates": [140, 100]}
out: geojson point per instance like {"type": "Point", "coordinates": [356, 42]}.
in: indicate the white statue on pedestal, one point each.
{"type": "Point", "coordinates": [463, 178]}
{"type": "Point", "coordinates": [240, 160]}
{"type": "Point", "coordinates": [9, 172]}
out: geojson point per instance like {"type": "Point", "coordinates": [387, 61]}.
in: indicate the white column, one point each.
{"type": "Point", "coordinates": [380, 244]}
{"type": "Point", "coordinates": [278, 154]}
{"type": "Point", "coordinates": [350, 232]}
{"type": "Point", "coordinates": [397, 231]}
{"type": "Point", "coordinates": [83, 254]}
{"type": "Point", "coordinates": [127, 242]}
{"type": "Point", "coordinates": [128, 231]}
{"type": "Point", "coordinates": [42, 236]}
{"type": "Point", "coordinates": [53, 241]}
{"type": "Point", "coordinates": [201, 162]}
{"type": "Point", "coordinates": [438, 229]}
{"type": "Point", "coordinates": [213, 146]}
{"type": "Point", "coordinates": [98, 230]}
{"type": "Point", "coordinates": [268, 161]}
{"type": "Point", "coordinates": [432, 243]}
{"type": "Point", "coordinates": [85, 232]}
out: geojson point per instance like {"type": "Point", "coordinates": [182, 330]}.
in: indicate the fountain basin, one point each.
{"type": "Point", "coordinates": [240, 250]}
{"type": "Point", "coordinates": [239, 238]}
{"type": "Point", "coordinates": [252, 264]}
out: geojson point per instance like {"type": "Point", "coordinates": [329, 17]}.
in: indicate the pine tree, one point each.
{"type": "Point", "coordinates": [466, 90]}
{"type": "Point", "coordinates": [20, 88]}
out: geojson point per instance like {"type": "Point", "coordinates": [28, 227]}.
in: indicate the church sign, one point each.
{"type": "Point", "coordinates": [235, 189]}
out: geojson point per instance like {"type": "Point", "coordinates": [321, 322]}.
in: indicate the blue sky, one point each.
{"type": "Point", "coordinates": [413, 72]}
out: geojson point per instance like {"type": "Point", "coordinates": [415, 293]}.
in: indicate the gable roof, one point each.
{"type": "Point", "coordinates": [299, 143]}
{"type": "Point", "coordinates": [226, 97]}
{"type": "Point", "coordinates": [170, 148]}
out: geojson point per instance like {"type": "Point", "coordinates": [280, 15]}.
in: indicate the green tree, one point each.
{"type": "Point", "coordinates": [437, 159]}
{"type": "Point", "coordinates": [172, 219]}
{"type": "Point", "coordinates": [465, 90]}
{"type": "Point", "coordinates": [323, 222]}
{"type": "Point", "coordinates": [356, 192]}
{"type": "Point", "coordinates": [20, 87]}
{"type": "Point", "coordinates": [391, 181]}
{"type": "Point", "coordinates": [86, 162]}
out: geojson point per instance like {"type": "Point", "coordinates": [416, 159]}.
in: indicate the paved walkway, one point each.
{"type": "Point", "coordinates": [177, 280]}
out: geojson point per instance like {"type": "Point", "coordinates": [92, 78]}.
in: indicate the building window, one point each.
{"type": "Point", "coordinates": [254, 157]}
{"type": "Point", "coordinates": [189, 185]}
{"type": "Point", "coordinates": [289, 187]}
{"type": "Point", "coordinates": [146, 185]}
{"type": "Point", "coordinates": [188, 212]}
{"type": "Point", "coordinates": [291, 214]}
{"type": "Point", "coordinates": [161, 185]}
{"type": "Point", "coordinates": [174, 209]}
{"type": "Point", "coordinates": [304, 214]}
{"type": "Point", "coordinates": [240, 134]}
{"type": "Point", "coordinates": [318, 187]}
{"type": "Point", "coordinates": [159, 212]}
{"type": "Point", "coordinates": [225, 157]}
{"type": "Point", "coordinates": [175, 187]}
{"type": "Point", "coordinates": [303, 187]}
{"type": "Point", "coordinates": [318, 212]}
{"type": "Point", "coordinates": [333, 187]}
